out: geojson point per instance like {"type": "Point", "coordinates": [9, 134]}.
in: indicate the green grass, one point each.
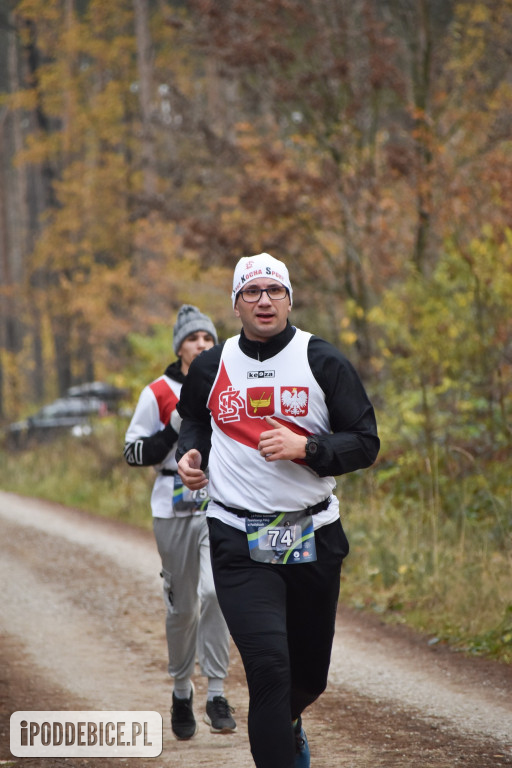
{"type": "Point", "coordinates": [414, 562]}
{"type": "Point", "coordinates": [441, 564]}
{"type": "Point", "coordinates": [87, 473]}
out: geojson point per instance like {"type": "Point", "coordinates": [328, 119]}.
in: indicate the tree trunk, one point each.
{"type": "Point", "coordinates": [145, 70]}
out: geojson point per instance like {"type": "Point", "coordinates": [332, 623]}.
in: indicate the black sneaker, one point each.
{"type": "Point", "coordinates": [218, 715]}
{"type": "Point", "coordinates": [183, 722]}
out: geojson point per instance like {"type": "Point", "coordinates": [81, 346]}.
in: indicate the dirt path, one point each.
{"type": "Point", "coordinates": [82, 629]}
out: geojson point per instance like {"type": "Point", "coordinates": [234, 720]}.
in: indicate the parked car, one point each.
{"type": "Point", "coordinates": [67, 414]}
{"type": "Point", "coordinates": [108, 393]}
{"type": "Point", "coordinates": [71, 413]}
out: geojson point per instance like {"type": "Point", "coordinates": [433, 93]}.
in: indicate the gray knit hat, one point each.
{"type": "Point", "coordinates": [190, 320]}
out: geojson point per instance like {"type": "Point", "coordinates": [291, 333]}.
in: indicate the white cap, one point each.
{"type": "Point", "coordinates": [263, 265]}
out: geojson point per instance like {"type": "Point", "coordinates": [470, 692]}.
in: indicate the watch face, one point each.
{"type": "Point", "coordinates": [311, 447]}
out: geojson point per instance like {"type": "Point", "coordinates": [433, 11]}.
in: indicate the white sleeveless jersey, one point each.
{"type": "Point", "coordinates": [156, 403]}
{"type": "Point", "coordinates": [244, 392]}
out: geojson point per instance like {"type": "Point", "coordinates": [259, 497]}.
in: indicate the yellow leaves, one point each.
{"type": "Point", "coordinates": [377, 315]}
{"type": "Point", "coordinates": [413, 418]}
{"type": "Point", "coordinates": [349, 338]}
{"type": "Point", "coordinates": [106, 113]}
{"type": "Point", "coordinates": [39, 149]}
{"type": "Point", "coordinates": [479, 13]}
{"type": "Point", "coordinates": [24, 99]}
{"type": "Point", "coordinates": [440, 339]}
{"type": "Point", "coordinates": [50, 10]}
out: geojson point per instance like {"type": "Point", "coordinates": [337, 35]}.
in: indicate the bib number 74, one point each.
{"type": "Point", "coordinates": [286, 538]}
{"type": "Point", "coordinates": [282, 538]}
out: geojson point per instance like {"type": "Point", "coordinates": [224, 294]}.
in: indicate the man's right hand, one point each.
{"type": "Point", "coordinates": [189, 469]}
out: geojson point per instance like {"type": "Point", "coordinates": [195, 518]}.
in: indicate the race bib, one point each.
{"type": "Point", "coordinates": [287, 538]}
{"type": "Point", "coordinates": [185, 500]}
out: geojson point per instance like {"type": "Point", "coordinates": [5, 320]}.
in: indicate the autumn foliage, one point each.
{"type": "Point", "coordinates": [145, 145]}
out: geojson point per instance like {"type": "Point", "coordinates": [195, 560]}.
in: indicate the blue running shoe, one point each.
{"type": "Point", "coordinates": [302, 755]}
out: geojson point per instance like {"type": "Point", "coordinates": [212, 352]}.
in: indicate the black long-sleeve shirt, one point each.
{"type": "Point", "coordinates": [353, 442]}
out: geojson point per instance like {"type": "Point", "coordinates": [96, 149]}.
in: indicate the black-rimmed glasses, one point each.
{"type": "Point", "coordinates": [274, 292]}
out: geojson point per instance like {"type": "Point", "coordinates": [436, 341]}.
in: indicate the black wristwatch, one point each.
{"type": "Point", "coordinates": [311, 446]}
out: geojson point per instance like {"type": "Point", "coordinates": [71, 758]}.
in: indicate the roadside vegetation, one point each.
{"type": "Point", "coordinates": [146, 146]}
{"type": "Point", "coordinates": [424, 552]}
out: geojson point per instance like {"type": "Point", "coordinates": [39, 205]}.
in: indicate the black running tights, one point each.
{"type": "Point", "coordinates": [282, 619]}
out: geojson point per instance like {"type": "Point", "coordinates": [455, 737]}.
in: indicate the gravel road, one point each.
{"type": "Point", "coordinates": [82, 629]}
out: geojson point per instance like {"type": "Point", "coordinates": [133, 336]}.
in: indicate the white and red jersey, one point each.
{"type": "Point", "coordinates": [243, 393]}
{"type": "Point", "coordinates": [302, 381]}
{"type": "Point", "coordinates": [145, 440]}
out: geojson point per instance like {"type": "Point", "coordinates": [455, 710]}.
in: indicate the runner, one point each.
{"type": "Point", "coordinates": [275, 413]}
{"type": "Point", "coordinates": [194, 622]}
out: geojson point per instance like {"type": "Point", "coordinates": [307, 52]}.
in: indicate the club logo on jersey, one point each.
{"type": "Point", "coordinates": [230, 404]}
{"type": "Point", "coordinates": [260, 401]}
{"type": "Point", "coordinates": [261, 374]}
{"type": "Point", "coordinates": [294, 401]}
{"type": "Point", "coordinates": [245, 422]}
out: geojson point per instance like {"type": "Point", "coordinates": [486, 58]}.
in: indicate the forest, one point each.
{"type": "Point", "coordinates": [145, 145]}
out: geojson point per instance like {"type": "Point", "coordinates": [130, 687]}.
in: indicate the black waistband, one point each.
{"type": "Point", "coordinates": [314, 510]}
{"type": "Point", "coordinates": [168, 472]}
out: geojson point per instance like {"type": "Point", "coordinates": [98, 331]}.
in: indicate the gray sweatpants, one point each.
{"type": "Point", "coordinates": [194, 622]}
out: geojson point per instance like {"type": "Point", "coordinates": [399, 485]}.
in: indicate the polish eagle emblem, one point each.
{"type": "Point", "coordinates": [294, 401]}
